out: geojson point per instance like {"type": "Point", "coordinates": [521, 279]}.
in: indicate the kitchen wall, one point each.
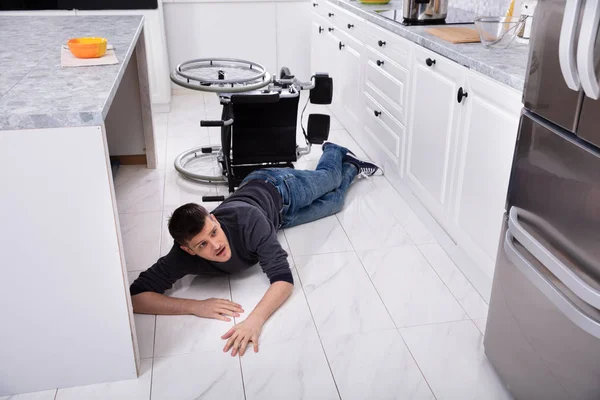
{"type": "Point", "coordinates": [263, 31]}
{"type": "Point", "coordinates": [483, 7]}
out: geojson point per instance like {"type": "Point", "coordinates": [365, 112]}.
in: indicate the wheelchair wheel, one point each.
{"type": "Point", "coordinates": [203, 164]}
{"type": "Point", "coordinates": [221, 75]}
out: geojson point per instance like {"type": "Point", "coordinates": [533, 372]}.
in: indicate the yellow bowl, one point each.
{"type": "Point", "coordinates": [87, 47]}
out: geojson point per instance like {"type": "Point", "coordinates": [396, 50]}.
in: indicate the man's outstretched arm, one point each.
{"type": "Point", "coordinates": [249, 330]}
{"type": "Point", "coordinates": [159, 304]}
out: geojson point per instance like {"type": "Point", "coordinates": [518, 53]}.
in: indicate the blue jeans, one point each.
{"type": "Point", "coordinates": [311, 195]}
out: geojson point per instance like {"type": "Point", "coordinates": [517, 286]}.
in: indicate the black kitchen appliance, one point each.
{"type": "Point", "coordinates": [454, 16]}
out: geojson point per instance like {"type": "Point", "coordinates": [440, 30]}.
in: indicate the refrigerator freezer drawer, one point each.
{"type": "Point", "coordinates": [538, 332]}
{"type": "Point", "coordinates": [555, 181]}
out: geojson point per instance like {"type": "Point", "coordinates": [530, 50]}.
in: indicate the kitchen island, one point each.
{"type": "Point", "coordinates": [67, 316]}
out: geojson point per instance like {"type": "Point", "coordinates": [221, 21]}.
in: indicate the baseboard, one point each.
{"type": "Point", "coordinates": [134, 159]}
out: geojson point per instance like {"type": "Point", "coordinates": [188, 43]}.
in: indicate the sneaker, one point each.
{"type": "Point", "coordinates": [365, 168]}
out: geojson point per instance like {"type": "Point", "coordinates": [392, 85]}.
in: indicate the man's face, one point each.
{"type": "Point", "coordinates": [210, 244]}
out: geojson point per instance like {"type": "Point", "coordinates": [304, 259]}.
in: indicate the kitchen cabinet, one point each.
{"type": "Point", "coordinates": [338, 50]}
{"type": "Point", "coordinates": [433, 128]}
{"type": "Point", "coordinates": [488, 134]}
{"type": "Point", "coordinates": [292, 22]}
{"type": "Point", "coordinates": [318, 49]}
{"type": "Point", "coordinates": [334, 67]}
{"type": "Point", "coordinates": [439, 129]}
{"type": "Point", "coordinates": [348, 69]}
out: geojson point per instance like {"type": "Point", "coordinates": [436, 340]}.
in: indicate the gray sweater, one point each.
{"type": "Point", "coordinates": [250, 218]}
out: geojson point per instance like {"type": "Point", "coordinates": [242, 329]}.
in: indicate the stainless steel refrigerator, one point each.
{"type": "Point", "coordinates": [543, 329]}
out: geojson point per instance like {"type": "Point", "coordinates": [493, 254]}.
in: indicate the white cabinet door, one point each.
{"type": "Point", "coordinates": [350, 83]}
{"type": "Point", "coordinates": [433, 128]}
{"type": "Point", "coordinates": [293, 48]}
{"type": "Point", "coordinates": [487, 142]}
{"type": "Point", "coordinates": [319, 43]}
{"type": "Point", "coordinates": [335, 68]}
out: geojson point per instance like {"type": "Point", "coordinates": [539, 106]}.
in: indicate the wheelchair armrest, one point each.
{"type": "Point", "coordinates": [216, 122]}
{"type": "Point", "coordinates": [313, 81]}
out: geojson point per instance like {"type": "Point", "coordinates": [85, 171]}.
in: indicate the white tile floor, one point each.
{"type": "Point", "coordinates": [379, 310]}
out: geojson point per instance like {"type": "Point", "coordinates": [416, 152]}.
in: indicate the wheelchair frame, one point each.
{"type": "Point", "coordinates": [286, 87]}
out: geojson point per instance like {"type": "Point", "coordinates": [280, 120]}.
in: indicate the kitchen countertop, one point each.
{"type": "Point", "coordinates": [507, 66]}
{"type": "Point", "coordinates": [36, 92]}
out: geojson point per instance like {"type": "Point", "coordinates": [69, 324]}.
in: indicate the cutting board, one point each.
{"type": "Point", "coordinates": [456, 34]}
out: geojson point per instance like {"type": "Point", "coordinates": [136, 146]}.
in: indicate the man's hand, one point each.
{"type": "Point", "coordinates": [246, 331]}
{"type": "Point", "coordinates": [216, 308]}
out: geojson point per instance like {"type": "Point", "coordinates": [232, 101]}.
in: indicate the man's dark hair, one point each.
{"type": "Point", "coordinates": [186, 222]}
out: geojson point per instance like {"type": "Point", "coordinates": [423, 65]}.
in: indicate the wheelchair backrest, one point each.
{"type": "Point", "coordinates": [264, 128]}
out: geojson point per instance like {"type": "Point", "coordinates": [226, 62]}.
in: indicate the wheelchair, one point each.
{"type": "Point", "coordinates": [258, 122]}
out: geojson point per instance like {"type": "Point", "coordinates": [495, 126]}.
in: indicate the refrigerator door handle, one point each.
{"type": "Point", "coordinates": [566, 44]}
{"type": "Point", "coordinates": [555, 296]}
{"type": "Point", "coordinates": [585, 50]}
{"type": "Point", "coordinates": [571, 280]}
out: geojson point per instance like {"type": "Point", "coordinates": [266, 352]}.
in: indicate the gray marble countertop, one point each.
{"type": "Point", "coordinates": [36, 92]}
{"type": "Point", "coordinates": [507, 66]}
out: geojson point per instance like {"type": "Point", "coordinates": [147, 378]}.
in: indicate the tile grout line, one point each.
{"type": "Point", "coordinates": [160, 242]}
{"type": "Point", "coordinates": [444, 282]}
{"type": "Point", "coordinates": [238, 356]}
{"type": "Point", "coordinates": [390, 315]}
{"type": "Point", "coordinates": [313, 319]}
{"type": "Point", "coordinates": [428, 226]}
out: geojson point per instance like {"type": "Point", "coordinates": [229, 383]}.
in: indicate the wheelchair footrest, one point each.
{"type": "Point", "coordinates": [212, 198]}
{"type": "Point", "coordinates": [318, 128]}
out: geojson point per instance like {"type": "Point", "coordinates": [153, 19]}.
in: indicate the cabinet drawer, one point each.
{"type": "Point", "coordinates": [351, 24]}
{"type": "Point", "coordinates": [326, 10]}
{"type": "Point", "coordinates": [389, 44]}
{"type": "Point", "coordinates": [387, 83]}
{"type": "Point", "coordinates": [438, 64]}
{"type": "Point", "coordinates": [383, 127]}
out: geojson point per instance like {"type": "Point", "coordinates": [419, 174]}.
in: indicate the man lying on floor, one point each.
{"type": "Point", "coordinates": [242, 231]}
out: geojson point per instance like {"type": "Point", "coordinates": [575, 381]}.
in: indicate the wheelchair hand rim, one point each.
{"type": "Point", "coordinates": [222, 63]}
{"type": "Point", "coordinates": [180, 167]}
{"type": "Point", "coordinates": [256, 75]}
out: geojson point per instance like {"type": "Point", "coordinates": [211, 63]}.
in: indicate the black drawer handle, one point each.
{"type": "Point", "coordinates": [379, 63]}
{"type": "Point", "coordinates": [341, 45]}
{"type": "Point", "coordinates": [350, 26]}
{"type": "Point", "coordinates": [461, 95]}
{"type": "Point", "coordinates": [330, 29]}
{"type": "Point", "coordinates": [330, 14]}
{"type": "Point", "coordinates": [429, 62]}
{"type": "Point", "coordinates": [381, 43]}
{"type": "Point", "coordinates": [315, 4]}
{"type": "Point", "coordinates": [321, 29]}
{"type": "Point", "coordinates": [377, 113]}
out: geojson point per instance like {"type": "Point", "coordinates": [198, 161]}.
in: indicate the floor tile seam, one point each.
{"type": "Point", "coordinates": [393, 321]}
{"type": "Point", "coordinates": [313, 320]}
